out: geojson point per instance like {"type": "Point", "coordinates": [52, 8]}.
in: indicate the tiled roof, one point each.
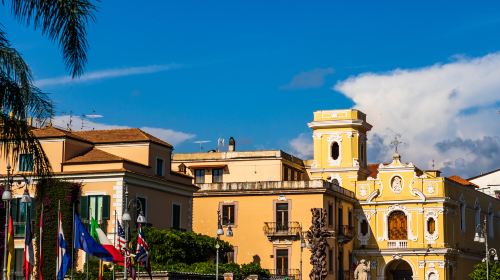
{"type": "Point", "coordinates": [462, 181]}
{"type": "Point", "coordinates": [373, 167]}
{"type": "Point", "coordinates": [50, 132]}
{"type": "Point", "coordinates": [95, 155]}
{"type": "Point", "coordinates": [119, 136]}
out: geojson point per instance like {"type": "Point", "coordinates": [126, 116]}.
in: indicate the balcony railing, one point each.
{"type": "Point", "coordinates": [272, 229]}
{"type": "Point", "coordinates": [279, 274]}
{"type": "Point", "coordinates": [397, 244]}
{"type": "Point", "coordinates": [345, 233]}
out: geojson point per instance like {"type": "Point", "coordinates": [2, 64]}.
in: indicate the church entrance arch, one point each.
{"type": "Point", "coordinates": [398, 270]}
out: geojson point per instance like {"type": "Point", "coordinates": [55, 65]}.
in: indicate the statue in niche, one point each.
{"type": "Point", "coordinates": [396, 185]}
{"type": "Point", "coordinates": [317, 238]}
{"type": "Point", "coordinates": [362, 270]}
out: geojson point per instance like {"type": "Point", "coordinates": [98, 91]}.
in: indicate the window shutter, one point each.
{"type": "Point", "coordinates": [105, 207]}
{"type": "Point", "coordinates": [14, 208]}
{"type": "Point", "coordinates": [32, 206]}
{"type": "Point", "coordinates": [84, 208]}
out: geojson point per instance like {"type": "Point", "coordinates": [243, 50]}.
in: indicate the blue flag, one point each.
{"type": "Point", "coordinates": [85, 242]}
{"type": "Point", "coordinates": [63, 255]}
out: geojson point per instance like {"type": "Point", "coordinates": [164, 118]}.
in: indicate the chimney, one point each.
{"type": "Point", "coordinates": [232, 145]}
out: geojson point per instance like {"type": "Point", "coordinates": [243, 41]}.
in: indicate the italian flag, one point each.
{"type": "Point", "coordinates": [101, 237]}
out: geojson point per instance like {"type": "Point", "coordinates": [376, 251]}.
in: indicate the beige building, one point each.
{"type": "Point", "coordinates": [266, 197]}
{"type": "Point", "coordinates": [104, 162]}
{"type": "Point", "coordinates": [408, 223]}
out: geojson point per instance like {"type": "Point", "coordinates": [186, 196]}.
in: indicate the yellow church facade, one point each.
{"type": "Point", "coordinates": [410, 223]}
{"type": "Point", "coordinates": [407, 223]}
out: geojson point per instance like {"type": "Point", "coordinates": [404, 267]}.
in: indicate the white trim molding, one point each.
{"type": "Point", "coordinates": [398, 207]}
{"type": "Point", "coordinates": [431, 237]}
{"type": "Point", "coordinates": [334, 138]}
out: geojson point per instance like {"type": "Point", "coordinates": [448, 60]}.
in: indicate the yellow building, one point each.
{"type": "Point", "coordinates": [104, 162]}
{"type": "Point", "coordinates": [266, 198]}
{"type": "Point", "coordinates": [409, 222]}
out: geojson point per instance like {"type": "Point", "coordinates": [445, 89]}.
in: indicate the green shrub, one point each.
{"type": "Point", "coordinates": [479, 272]}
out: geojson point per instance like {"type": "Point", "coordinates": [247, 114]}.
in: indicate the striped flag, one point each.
{"type": "Point", "coordinates": [10, 244]}
{"type": "Point", "coordinates": [142, 251]}
{"type": "Point", "coordinates": [29, 255]}
{"type": "Point", "coordinates": [62, 254]}
{"type": "Point", "coordinates": [120, 238]}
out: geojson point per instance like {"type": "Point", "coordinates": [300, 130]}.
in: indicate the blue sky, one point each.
{"type": "Point", "coordinates": [254, 70]}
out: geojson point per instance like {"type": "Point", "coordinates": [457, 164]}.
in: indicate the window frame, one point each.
{"type": "Point", "coordinates": [21, 163]}
{"type": "Point", "coordinates": [233, 214]}
{"type": "Point", "coordinates": [162, 169]}
{"type": "Point", "coordinates": [202, 176]}
{"type": "Point", "coordinates": [180, 216]}
{"type": "Point", "coordinates": [220, 176]}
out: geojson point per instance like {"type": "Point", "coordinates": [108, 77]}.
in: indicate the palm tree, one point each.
{"type": "Point", "coordinates": [60, 20]}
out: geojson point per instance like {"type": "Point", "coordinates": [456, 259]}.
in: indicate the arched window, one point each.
{"type": "Point", "coordinates": [431, 225]}
{"type": "Point", "coordinates": [335, 152]}
{"type": "Point", "coordinates": [398, 227]}
{"type": "Point", "coordinates": [364, 227]}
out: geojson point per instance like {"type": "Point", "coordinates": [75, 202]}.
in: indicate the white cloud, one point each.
{"type": "Point", "coordinates": [432, 107]}
{"type": "Point", "coordinates": [302, 146]}
{"type": "Point", "coordinates": [105, 74]}
{"type": "Point", "coordinates": [309, 79]}
{"type": "Point", "coordinates": [77, 123]}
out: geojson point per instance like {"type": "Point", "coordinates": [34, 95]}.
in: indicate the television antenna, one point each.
{"type": "Point", "coordinates": [220, 144]}
{"type": "Point", "coordinates": [94, 115]}
{"type": "Point", "coordinates": [201, 142]}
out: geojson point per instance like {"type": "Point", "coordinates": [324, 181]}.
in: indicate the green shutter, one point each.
{"type": "Point", "coordinates": [32, 206]}
{"type": "Point", "coordinates": [84, 207]}
{"type": "Point", "coordinates": [14, 208]}
{"type": "Point", "coordinates": [105, 207]}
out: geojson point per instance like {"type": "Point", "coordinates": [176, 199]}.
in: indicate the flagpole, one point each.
{"type": "Point", "coordinates": [57, 239]}
{"type": "Point", "coordinates": [114, 243]}
{"type": "Point", "coordinates": [86, 253]}
{"type": "Point", "coordinates": [41, 241]}
{"type": "Point", "coordinates": [73, 238]}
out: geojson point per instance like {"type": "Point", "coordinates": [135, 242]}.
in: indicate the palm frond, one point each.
{"type": "Point", "coordinates": [62, 20]}
{"type": "Point", "coordinates": [20, 99]}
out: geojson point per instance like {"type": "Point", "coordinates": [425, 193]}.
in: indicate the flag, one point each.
{"type": "Point", "coordinates": [63, 256]}
{"type": "Point", "coordinates": [120, 237]}
{"type": "Point", "coordinates": [85, 242]}
{"type": "Point", "coordinates": [10, 244]}
{"type": "Point", "coordinates": [142, 252]}
{"type": "Point", "coordinates": [101, 238]}
{"type": "Point", "coordinates": [29, 256]}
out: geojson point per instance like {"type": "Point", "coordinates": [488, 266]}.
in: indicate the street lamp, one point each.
{"type": "Point", "coordinates": [6, 197]}
{"type": "Point", "coordinates": [220, 231]}
{"type": "Point", "coordinates": [303, 245]}
{"type": "Point", "coordinates": [481, 236]}
{"type": "Point", "coordinates": [126, 218]}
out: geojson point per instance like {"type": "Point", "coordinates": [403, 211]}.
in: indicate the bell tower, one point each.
{"type": "Point", "coordinates": [339, 138]}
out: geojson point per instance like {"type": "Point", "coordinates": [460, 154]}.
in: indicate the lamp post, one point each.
{"type": "Point", "coordinates": [481, 236]}
{"type": "Point", "coordinates": [6, 197]}
{"type": "Point", "coordinates": [220, 231]}
{"type": "Point", "coordinates": [302, 246]}
{"type": "Point", "coordinates": [126, 218]}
